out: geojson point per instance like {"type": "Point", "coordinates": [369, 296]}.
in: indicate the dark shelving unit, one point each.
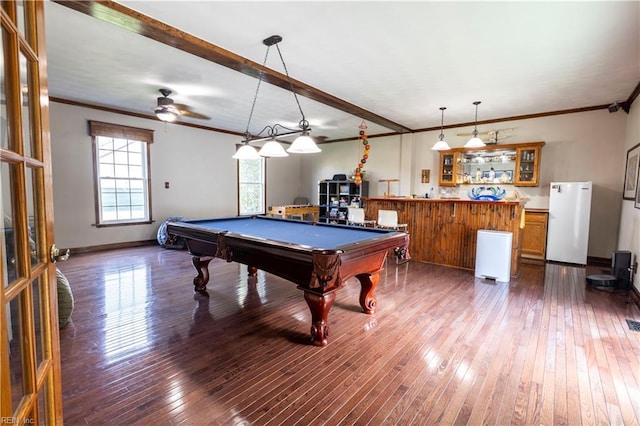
{"type": "Point", "coordinates": [335, 197]}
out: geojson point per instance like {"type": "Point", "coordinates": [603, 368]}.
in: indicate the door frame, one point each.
{"type": "Point", "coordinates": [30, 376]}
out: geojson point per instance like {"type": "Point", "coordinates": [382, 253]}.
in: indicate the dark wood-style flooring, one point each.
{"type": "Point", "coordinates": [443, 348]}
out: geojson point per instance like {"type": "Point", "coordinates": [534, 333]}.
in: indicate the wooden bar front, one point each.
{"type": "Point", "coordinates": [444, 231]}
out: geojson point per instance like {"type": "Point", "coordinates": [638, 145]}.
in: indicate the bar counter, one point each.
{"type": "Point", "coordinates": [444, 231]}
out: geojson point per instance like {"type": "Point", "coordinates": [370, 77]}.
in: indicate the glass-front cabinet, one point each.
{"type": "Point", "coordinates": [527, 166]}
{"type": "Point", "coordinates": [506, 164]}
{"type": "Point", "coordinates": [448, 168]}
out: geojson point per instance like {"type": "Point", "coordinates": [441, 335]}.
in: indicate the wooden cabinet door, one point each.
{"type": "Point", "coordinates": [30, 373]}
{"type": "Point", "coordinates": [527, 171]}
{"type": "Point", "coordinates": [447, 175]}
{"type": "Point", "coordinates": [534, 236]}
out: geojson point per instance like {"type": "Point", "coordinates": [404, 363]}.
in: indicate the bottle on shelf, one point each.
{"type": "Point", "coordinates": [432, 193]}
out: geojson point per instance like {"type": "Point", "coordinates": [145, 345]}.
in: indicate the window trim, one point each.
{"type": "Point", "coordinates": [102, 129]}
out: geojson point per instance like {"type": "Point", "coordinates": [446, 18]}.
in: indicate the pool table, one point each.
{"type": "Point", "coordinates": [318, 257]}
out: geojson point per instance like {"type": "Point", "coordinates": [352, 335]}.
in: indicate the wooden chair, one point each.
{"type": "Point", "coordinates": [388, 219]}
{"type": "Point", "coordinates": [355, 216]}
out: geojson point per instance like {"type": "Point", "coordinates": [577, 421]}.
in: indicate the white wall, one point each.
{"type": "Point", "coordinates": [630, 219]}
{"type": "Point", "coordinates": [202, 175]}
{"type": "Point", "coordinates": [283, 180]}
{"type": "Point", "coordinates": [197, 164]}
{"type": "Point", "coordinates": [385, 162]}
{"type": "Point", "coordinates": [581, 146]}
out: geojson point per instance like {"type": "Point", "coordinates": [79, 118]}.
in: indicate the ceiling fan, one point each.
{"type": "Point", "coordinates": [167, 110]}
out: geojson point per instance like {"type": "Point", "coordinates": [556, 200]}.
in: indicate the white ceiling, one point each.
{"type": "Point", "coordinates": [399, 60]}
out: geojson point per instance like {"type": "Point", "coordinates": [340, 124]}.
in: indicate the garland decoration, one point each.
{"type": "Point", "coordinates": [365, 155]}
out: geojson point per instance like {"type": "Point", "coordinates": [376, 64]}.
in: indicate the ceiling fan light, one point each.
{"type": "Point", "coordinates": [166, 115]}
{"type": "Point", "coordinates": [272, 149]}
{"type": "Point", "coordinates": [246, 152]}
{"type": "Point", "coordinates": [304, 144]}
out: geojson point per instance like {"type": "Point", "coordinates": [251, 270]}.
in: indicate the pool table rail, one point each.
{"type": "Point", "coordinates": [291, 263]}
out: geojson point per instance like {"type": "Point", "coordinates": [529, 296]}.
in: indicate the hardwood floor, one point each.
{"type": "Point", "coordinates": [443, 348]}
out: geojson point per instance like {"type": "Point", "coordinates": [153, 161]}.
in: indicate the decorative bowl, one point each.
{"type": "Point", "coordinates": [487, 193]}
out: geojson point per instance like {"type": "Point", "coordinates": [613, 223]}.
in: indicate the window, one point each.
{"type": "Point", "coordinates": [251, 188]}
{"type": "Point", "coordinates": [121, 165]}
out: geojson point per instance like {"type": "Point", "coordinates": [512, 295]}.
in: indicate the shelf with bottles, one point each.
{"type": "Point", "coordinates": [527, 165]}
{"type": "Point", "coordinates": [448, 165]}
{"type": "Point", "coordinates": [517, 164]}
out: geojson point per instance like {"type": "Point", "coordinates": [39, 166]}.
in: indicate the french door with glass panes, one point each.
{"type": "Point", "coordinates": [29, 346]}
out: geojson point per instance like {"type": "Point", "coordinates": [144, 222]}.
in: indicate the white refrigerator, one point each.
{"type": "Point", "coordinates": [568, 229]}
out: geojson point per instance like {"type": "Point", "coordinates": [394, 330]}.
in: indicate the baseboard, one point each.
{"type": "Point", "coordinates": [531, 260]}
{"type": "Point", "coordinates": [591, 261]}
{"type": "Point", "coordinates": [114, 246]}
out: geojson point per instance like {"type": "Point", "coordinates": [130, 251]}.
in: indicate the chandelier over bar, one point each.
{"type": "Point", "coordinates": [475, 141]}
{"type": "Point", "coordinates": [441, 145]}
{"type": "Point", "coordinates": [302, 144]}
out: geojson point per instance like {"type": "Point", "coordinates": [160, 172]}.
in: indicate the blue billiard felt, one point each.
{"type": "Point", "coordinates": [295, 232]}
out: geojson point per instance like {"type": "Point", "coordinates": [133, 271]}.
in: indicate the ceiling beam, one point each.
{"type": "Point", "coordinates": [626, 106]}
{"type": "Point", "coordinates": [136, 22]}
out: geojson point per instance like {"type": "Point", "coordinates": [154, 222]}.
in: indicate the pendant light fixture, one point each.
{"type": "Point", "coordinates": [441, 145]}
{"type": "Point", "coordinates": [272, 149]}
{"type": "Point", "coordinates": [475, 141]}
{"type": "Point", "coordinates": [302, 144]}
{"type": "Point", "coordinates": [246, 152]}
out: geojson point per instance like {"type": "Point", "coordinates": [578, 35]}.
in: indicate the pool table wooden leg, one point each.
{"type": "Point", "coordinates": [319, 305]}
{"type": "Point", "coordinates": [202, 267]}
{"type": "Point", "coordinates": [368, 284]}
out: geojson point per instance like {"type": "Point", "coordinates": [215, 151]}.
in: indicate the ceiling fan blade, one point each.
{"type": "Point", "coordinates": [186, 111]}
{"type": "Point", "coordinates": [194, 115]}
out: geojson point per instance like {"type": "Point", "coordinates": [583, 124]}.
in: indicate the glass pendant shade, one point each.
{"type": "Point", "coordinates": [303, 145]}
{"type": "Point", "coordinates": [441, 145]}
{"type": "Point", "coordinates": [246, 152]}
{"type": "Point", "coordinates": [272, 149]}
{"type": "Point", "coordinates": [475, 141]}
